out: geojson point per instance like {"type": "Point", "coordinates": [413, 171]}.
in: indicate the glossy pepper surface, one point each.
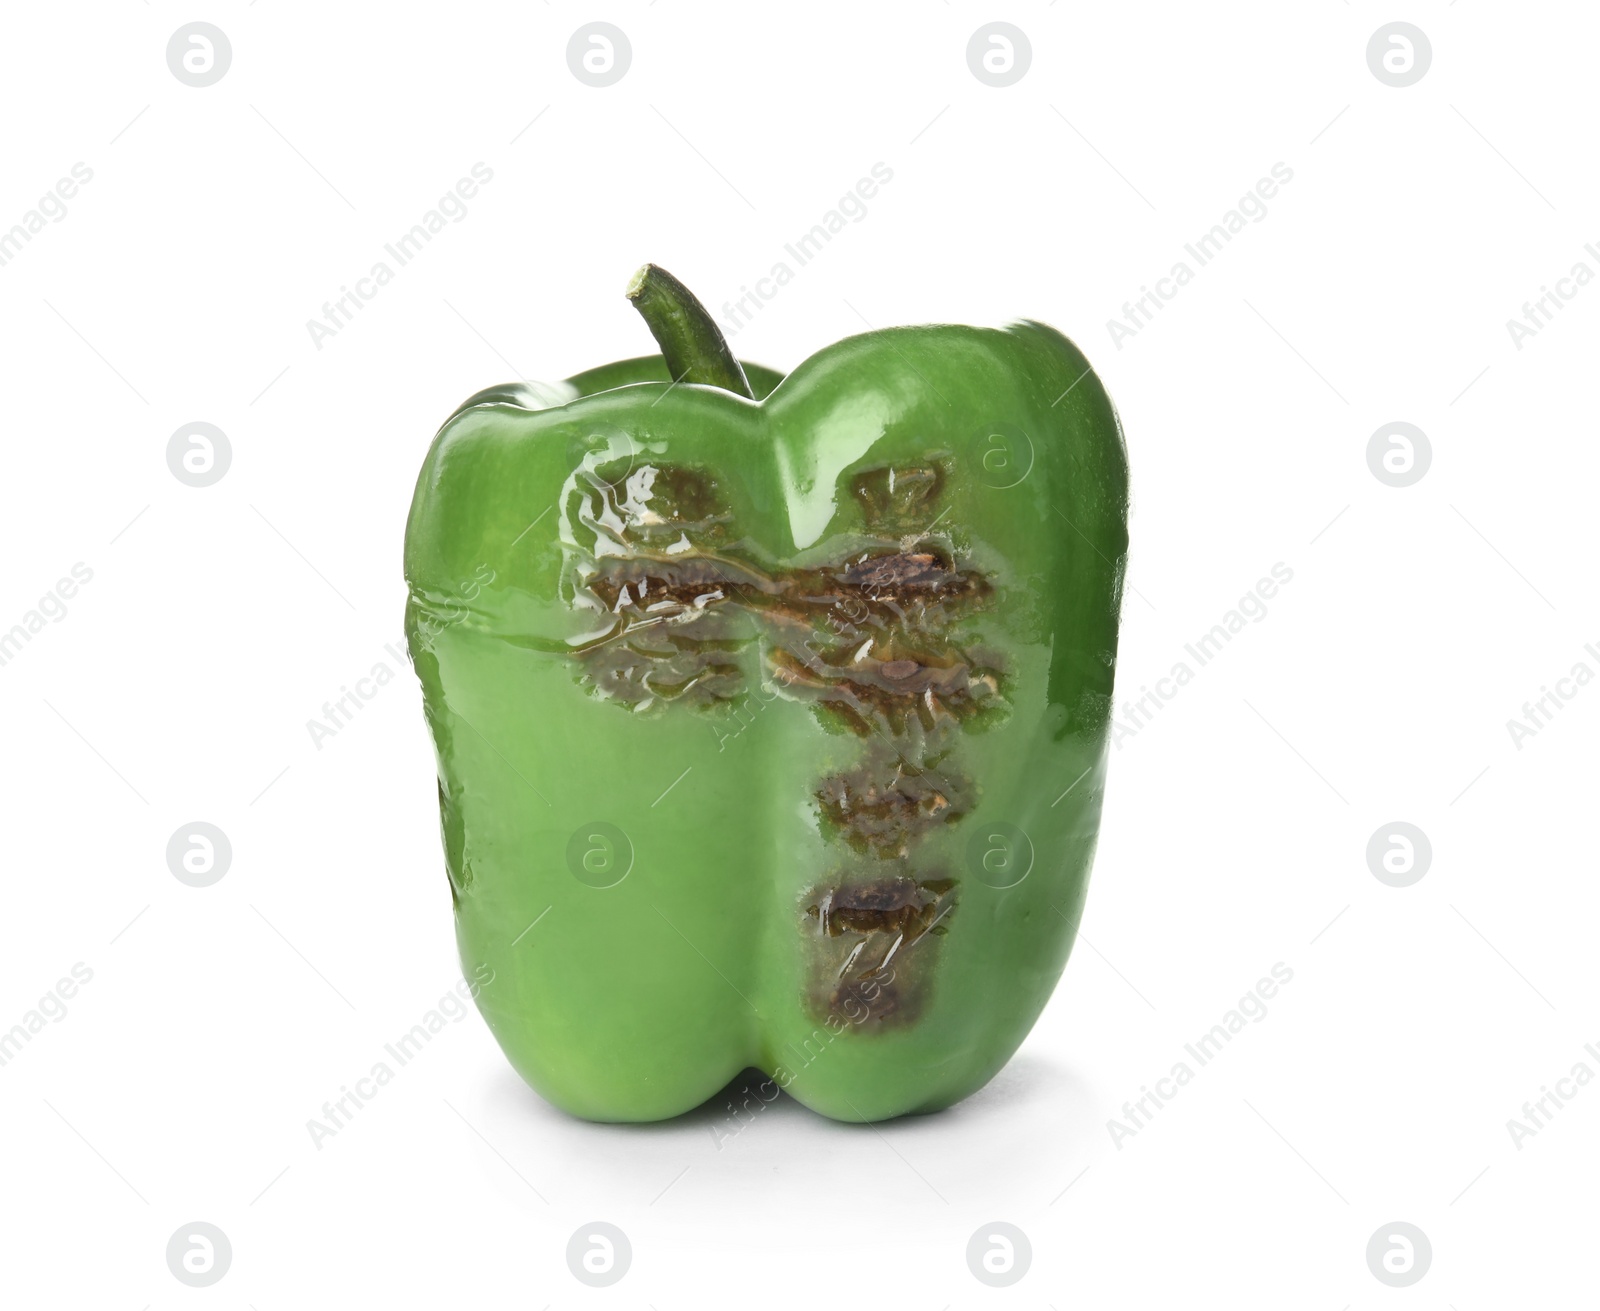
{"type": "Point", "coordinates": [772, 713]}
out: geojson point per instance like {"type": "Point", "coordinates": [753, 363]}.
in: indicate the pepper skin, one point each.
{"type": "Point", "coordinates": [772, 714]}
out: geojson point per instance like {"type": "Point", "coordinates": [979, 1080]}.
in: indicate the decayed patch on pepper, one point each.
{"type": "Point", "coordinates": [871, 947]}
{"type": "Point", "coordinates": [885, 804]}
{"type": "Point", "coordinates": [868, 640]}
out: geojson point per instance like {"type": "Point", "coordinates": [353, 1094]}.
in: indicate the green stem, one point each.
{"type": "Point", "coordinates": [689, 338]}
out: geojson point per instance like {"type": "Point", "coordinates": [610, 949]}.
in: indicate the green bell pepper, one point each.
{"type": "Point", "coordinates": [772, 713]}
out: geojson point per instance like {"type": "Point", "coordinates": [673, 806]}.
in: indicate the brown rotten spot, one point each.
{"type": "Point", "coordinates": [889, 905]}
{"type": "Point", "coordinates": [863, 638]}
{"type": "Point", "coordinates": [871, 947]}
{"type": "Point", "coordinates": [693, 659]}
{"type": "Point", "coordinates": [886, 803]}
{"type": "Point", "coordinates": [869, 693]}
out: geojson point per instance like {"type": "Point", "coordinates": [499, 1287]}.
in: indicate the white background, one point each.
{"type": "Point", "coordinates": [1378, 687]}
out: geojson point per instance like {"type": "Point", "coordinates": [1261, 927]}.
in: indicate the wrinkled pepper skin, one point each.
{"type": "Point", "coordinates": [773, 732]}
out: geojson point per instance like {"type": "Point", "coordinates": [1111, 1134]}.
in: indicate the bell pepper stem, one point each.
{"type": "Point", "coordinates": [690, 341]}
